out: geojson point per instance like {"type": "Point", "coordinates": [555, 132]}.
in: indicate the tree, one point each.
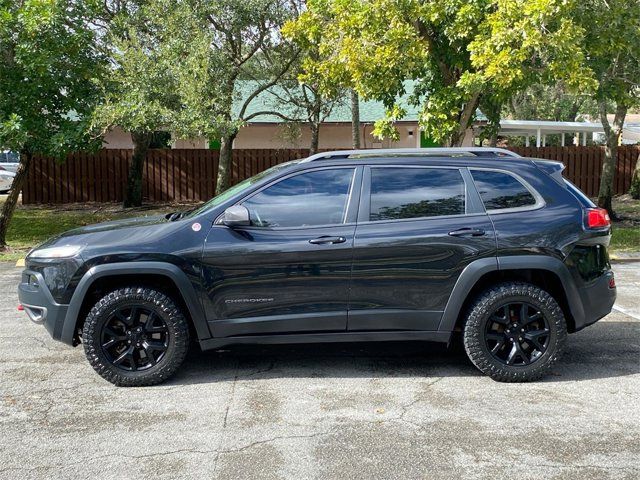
{"type": "Point", "coordinates": [553, 102]}
{"type": "Point", "coordinates": [376, 45]}
{"type": "Point", "coordinates": [46, 92]}
{"type": "Point", "coordinates": [226, 44]}
{"type": "Point", "coordinates": [139, 94]}
{"type": "Point", "coordinates": [303, 104]}
{"type": "Point", "coordinates": [612, 44]}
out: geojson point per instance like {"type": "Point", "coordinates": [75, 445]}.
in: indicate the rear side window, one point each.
{"type": "Point", "coordinates": [500, 190]}
{"type": "Point", "coordinates": [398, 193]}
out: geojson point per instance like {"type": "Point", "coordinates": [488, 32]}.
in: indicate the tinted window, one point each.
{"type": "Point", "coordinates": [500, 190]}
{"type": "Point", "coordinates": [415, 192]}
{"type": "Point", "coordinates": [312, 198]}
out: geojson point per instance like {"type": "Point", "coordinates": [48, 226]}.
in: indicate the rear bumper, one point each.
{"type": "Point", "coordinates": [598, 299]}
{"type": "Point", "coordinates": [40, 306]}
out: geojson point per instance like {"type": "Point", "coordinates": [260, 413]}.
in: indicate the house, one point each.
{"type": "Point", "coordinates": [270, 131]}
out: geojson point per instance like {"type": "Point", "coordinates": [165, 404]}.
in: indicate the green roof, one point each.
{"type": "Point", "coordinates": [370, 110]}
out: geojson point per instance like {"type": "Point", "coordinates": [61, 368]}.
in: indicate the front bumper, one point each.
{"type": "Point", "coordinates": [40, 305]}
{"type": "Point", "coordinates": [597, 299]}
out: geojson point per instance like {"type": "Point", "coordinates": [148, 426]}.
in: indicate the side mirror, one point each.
{"type": "Point", "coordinates": [236, 216]}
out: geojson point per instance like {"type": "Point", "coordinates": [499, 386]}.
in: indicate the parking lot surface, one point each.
{"type": "Point", "coordinates": [324, 411]}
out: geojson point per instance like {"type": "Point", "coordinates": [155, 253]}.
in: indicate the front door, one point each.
{"type": "Point", "coordinates": [418, 228]}
{"type": "Point", "coordinates": [289, 271]}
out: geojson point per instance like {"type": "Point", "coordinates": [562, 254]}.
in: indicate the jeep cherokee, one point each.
{"type": "Point", "coordinates": [377, 245]}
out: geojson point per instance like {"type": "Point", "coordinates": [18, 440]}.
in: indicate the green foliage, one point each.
{"type": "Point", "coordinates": [553, 102]}
{"type": "Point", "coordinates": [213, 45]}
{"type": "Point", "coordinates": [140, 92]}
{"type": "Point", "coordinates": [462, 53]}
{"type": "Point", "coordinates": [612, 46]}
{"type": "Point", "coordinates": [48, 61]}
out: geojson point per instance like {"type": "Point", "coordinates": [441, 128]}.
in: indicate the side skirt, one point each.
{"type": "Point", "coordinates": [425, 336]}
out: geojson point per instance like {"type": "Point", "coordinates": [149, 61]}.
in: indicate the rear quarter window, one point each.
{"type": "Point", "coordinates": [501, 191]}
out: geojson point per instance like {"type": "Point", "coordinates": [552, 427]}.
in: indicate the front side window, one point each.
{"type": "Point", "coordinates": [398, 193]}
{"type": "Point", "coordinates": [500, 190]}
{"type": "Point", "coordinates": [311, 198]}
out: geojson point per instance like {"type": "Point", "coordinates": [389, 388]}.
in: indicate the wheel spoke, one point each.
{"type": "Point", "coordinates": [134, 315]}
{"type": "Point", "coordinates": [154, 345]}
{"type": "Point", "coordinates": [126, 355]}
{"type": "Point", "coordinates": [536, 316]}
{"type": "Point", "coordinates": [534, 338]}
{"type": "Point", "coordinates": [149, 352]}
{"type": "Point", "coordinates": [498, 346]}
{"type": "Point", "coordinates": [512, 354]}
{"type": "Point", "coordinates": [120, 316]}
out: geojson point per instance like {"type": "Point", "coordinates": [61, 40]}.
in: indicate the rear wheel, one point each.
{"type": "Point", "coordinates": [515, 332]}
{"type": "Point", "coordinates": [135, 336]}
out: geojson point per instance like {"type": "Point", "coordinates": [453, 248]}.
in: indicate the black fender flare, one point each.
{"type": "Point", "coordinates": [476, 269]}
{"type": "Point", "coordinates": [177, 276]}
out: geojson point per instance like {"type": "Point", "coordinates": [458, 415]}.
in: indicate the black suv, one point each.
{"type": "Point", "coordinates": [341, 246]}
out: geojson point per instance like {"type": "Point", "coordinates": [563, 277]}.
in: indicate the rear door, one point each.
{"type": "Point", "coordinates": [418, 228]}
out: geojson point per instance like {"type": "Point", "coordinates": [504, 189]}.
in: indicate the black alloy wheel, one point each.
{"type": "Point", "coordinates": [134, 338]}
{"type": "Point", "coordinates": [517, 334]}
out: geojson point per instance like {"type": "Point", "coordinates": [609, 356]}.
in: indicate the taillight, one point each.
{"type": "Point", "coordinates": [597, 218]}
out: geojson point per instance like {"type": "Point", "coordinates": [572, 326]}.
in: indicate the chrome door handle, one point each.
{"type": "Point", "coordinates": [327, 240]}
{"type": "Point", "coordinates": [468, 232]}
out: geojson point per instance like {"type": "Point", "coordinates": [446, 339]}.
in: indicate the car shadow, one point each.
{"type": "Point", "coordinates": [605, 350]}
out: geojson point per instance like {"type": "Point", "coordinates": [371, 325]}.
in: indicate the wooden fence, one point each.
{"type": "Point", "coordinates": [190, 175]}
{"type": "Point", "coordinates": [180, 175]}
{"type": "Point", "coordinates": [584, 164]}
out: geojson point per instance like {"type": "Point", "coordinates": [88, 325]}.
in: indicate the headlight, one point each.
{"type": "Point", "coordinates": [65, 251]}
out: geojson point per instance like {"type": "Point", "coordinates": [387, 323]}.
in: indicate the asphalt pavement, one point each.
{"type": "Point", "coordinates": [401, 411]}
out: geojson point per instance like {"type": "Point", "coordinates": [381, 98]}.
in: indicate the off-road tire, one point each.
{"type": "Point", "coordinates": [164, 307]}
{"type": "Point", "coordinates": [486, 304]}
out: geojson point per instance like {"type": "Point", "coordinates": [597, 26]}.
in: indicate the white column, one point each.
{"type": "Point", "coordinates": [538, 138]}
{"type": "Point", "coordinates": [544, 140]}
{"type": "Point", "coordinates": [526, 141]}
{"type": "Point", "coordinates": [562, 139]}
{"type": "Point", "coordinates": [584, 140]}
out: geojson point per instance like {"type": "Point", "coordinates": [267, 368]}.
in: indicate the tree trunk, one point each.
{"type": "Point", "coordinates": [466, 115]}
{"type": "Point", "coordinates": [223, 181]}
{"type": "Point", "coordinates": [612, 135]}
{"type": "Point", "coordinates": [355, 119]}
{"type": "Point", "coordinates": [9, 205]}
{"type": "Point", "coordinates": [315, 137]}
{"type": "Point", "coordinates": [634, 190]}
{"type": "Point", "coordinates": [133, 195]}
{"type": "Point", "coordinates": [493, 141]}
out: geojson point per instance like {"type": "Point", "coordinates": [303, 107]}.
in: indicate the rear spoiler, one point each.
{"type": "Point", "coordinates": [551, 168]}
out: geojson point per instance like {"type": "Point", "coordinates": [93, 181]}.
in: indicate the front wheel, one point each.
{"type": "Point", "coordinates": [135, 336]}
{"type": "Point", "coordinates": [515, 332]}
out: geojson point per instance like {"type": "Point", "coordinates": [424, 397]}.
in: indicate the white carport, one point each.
{"type": "Point", "coordinates": [539, 129]}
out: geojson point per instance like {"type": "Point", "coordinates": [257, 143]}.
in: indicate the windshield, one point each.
{"type": "Point", "coordinates": [239, 188]}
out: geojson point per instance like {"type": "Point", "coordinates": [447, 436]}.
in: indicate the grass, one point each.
{"type": "Point", "coordinates": [626, 229]}
{"type": "Point", "coordinates": [32, 225]}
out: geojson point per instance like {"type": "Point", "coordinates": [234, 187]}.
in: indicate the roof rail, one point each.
{"type": "Point", "coordinates": [431, 152]}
